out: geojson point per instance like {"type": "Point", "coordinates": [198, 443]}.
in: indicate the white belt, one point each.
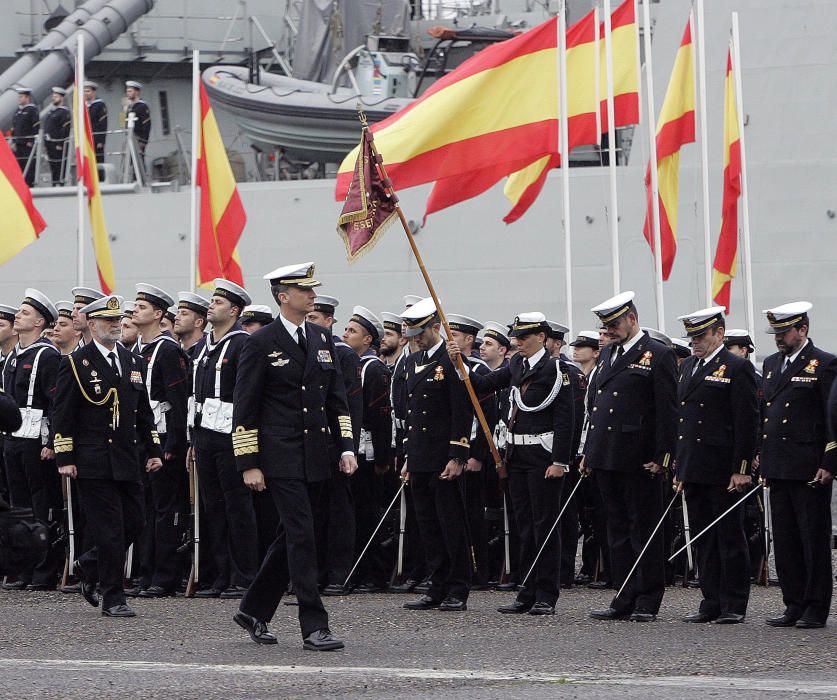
{"type": "Point", "coordinates": [400, 423]}
{"type": "Point", "coordinates": [518, 439]}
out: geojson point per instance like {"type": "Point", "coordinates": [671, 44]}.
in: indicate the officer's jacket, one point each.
{"type": "Point", "coordinates": [794, 433]}
{"type": "Point", "coordinates": [579, 386]}
{"type": "Point", "coordinates": [169, 384]}
{"type": "Point", "coordinates": [25, 124]}
{"type": "Point", "coordinates": [101, 419]}
{"type": "Point", "coordinates": [490, 409]}
{"type": "Point", "coordinates": [398, 399]}
{"type": "Point", "coordinates": [57, 123]}
{"type": "Point", "coordinates": [633, 408]}
{"type": "Point", "coordinates": [142, 125]}
{"type": "Point", "coordinates": [349, 364]}
{"type": "Point", "coordinates": [439, 413]}
{"type": "Point", "coordinates": [17, 372]}
{"type": "Point", "coordinates": [534, 387]}
{"type": "Point", "coordinates": [286, 402]}
{"type": "Point", "coordinates": [377, 410]}
{"type": "Point", "coordinates": [717, 419]}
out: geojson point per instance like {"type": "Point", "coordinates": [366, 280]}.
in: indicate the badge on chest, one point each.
{"type": "Point", "coordinates": [324, 356]}
{"type": "Point", "coordinates": [277, 359]}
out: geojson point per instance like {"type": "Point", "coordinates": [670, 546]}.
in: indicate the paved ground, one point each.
{"type": "Point", "coordinates": [52, 645]}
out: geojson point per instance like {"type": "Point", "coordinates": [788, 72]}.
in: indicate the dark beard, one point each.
{"type": "Point", "coordinates": [387, 352]}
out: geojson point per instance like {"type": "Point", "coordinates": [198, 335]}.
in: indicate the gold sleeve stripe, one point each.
{"type": "Point", "coordinates": [743, 466]}
{"type": "Point", "coordinates": [346, 434]}
{"type": "Point", "coordinates": [249, 450]}
{"type": "Point", "coordinates": [63, 444]}
{"type": "Point", "coordinates": [831, 446]}
{"type": "Point", "coordinates": [666, 460]}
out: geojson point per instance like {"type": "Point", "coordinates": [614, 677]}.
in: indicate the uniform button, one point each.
{"type": "Point", "coordinates": [305, 410]}
{"type": "Point", "coordinates": [698, 439]}
{"type": "Point", "coordinates": [424, 396]}
{"type": "Point", "coordinates": [700, 422]}
{"type": "Point", "coordinates": [701, 405]}
{"type": "Point", "coordinates": [611, 410]}
{"type": "Point", "coordinates": [784, 420]}
{"type": "Point", "coordinates": [679, 437]}
{"type": "Point", "coordinates": [599, 391]}
{"type": "Point", "coordinates": [423, 429]}
{"type": "Point", "coordinates": [609, 428]}
{"type": "Point", "coordinates": [305, 431]}
{"type": "Point", "coordinates": [409, 410]}
{"type": "Point", "coordinates": [764, 436]}
{"type": "Point", "coordinates": [616, 393]}
{"type": "Point", "coordinates": [784, 439]}
{"type": "Point", "coordinates": [592, 427]}
{"type": "Point", "coordinates": [322, 430]}
{"type": "Point", "coordinates": [303, 388]}
{"type": "Point", "coordinates": [682, 419]}
{"type": "Point", "coordinates": [424, 413]}
{"type": "Point", "coordinates": [110, 441]}
{"type": "Point", "coordinates": [682, 403]}
{"type": "Point", "coordinates": [595, 408]}
{"type": "Point", "coordinates": [787, 405]}
{"type": "Point", "coordinates": [765, 420]}
{"type": "Point", "coordinates": [321, 408]}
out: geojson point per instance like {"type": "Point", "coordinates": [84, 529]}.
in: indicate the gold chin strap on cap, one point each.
{"type": "Point", "coordinates": [111, 393]}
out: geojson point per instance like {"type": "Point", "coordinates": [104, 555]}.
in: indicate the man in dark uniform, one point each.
{"type": "Point", "coordinates": [256, 316]}
{"type": "Point", "coordinates": [29, 378]}
{"type": "Point", "coordinates": [190, 322]}
{"type": "Point", "coordinates": [130, 332]}
{"type": "Point", "coordinates": [167, 387]}
{"type": "Point", "coordinates": [375, 455]}
{"type": "Point", "coordinates": [436, 445]}
{"type": "Point", "coordinates": [718, 420]}
{"type": "Point", "coordinates": [56, 134]}
{"type": "Point", "coordinates": [101, 414]}
{"type": "Point", "coordinates": [82, 296]}
{"type": "Point", "coordinates": [8, 339]}
{"type": "Point", "coordinates": [288, 395]}
{"type": "Point", "coordinates": [336, 534]}
{"type": "Point", "coordinates": [798, 459]}
{"type": "Point", "coordinates": [629, 445]}
{"type": "Point", "coordinates": [538, 454]}
{"type": "Point", "coordinates": [25, 126]}
{"type": "Point", "coordinates": [137, 111]}
{"type": "Point", "coordinates": [230, 519]}
{"type": "Point", "coordinates": [98, 111]}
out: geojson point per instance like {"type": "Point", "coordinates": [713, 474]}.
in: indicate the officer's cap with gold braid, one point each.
{"type": "Point", "coordinates": [391, 321]}
{"type": "Point", "coordinates": [297, 275]}
{"type": "Point", "coordinates": [257, 312]}
{"type": "Point", "coordinates": [154, 295]}
{"type": "Point", "coordinates": [326, 304]}
{"type": "Point", "coordinates": [498, 332]}
{"type": "Point", "coordinates": [106, 307]}
{"type": "Point", "coordinates": [698, 322]}
{"type": "Point", "coordinates": [784, 317]}
{"type": "Point", "coordinates": [41, 303]}
{"type": "Point", "coordinates": [419, 316]}
{"type": "Point", "coordinates": [369, 321]}
{"type": "Point", "coordinates": [234, 293]}
{"type": "Point", "coordinates": [7, 313]}
{"type": "Point", "coordinates": [610, 310]}
{"type": "Point", "coordinates": [65, 308]}
{"type": "Point", "coordinates": [192, 302]}
{"type": "Point", "coordinates": [528, 323]}
{"type": "Point", "coordinates": [464, 324]}
{"type": "Point", "coordinates": [85, 295]}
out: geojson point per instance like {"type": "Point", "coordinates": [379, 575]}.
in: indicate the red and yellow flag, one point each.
{"type": "Point", "coordinates": [22, 223]}
{"type": "Point", "coordinates": [222, 215]}
{"type": "Point", "coordinates": [492, 116]}
{"type": "Point", "coordinates": [675, 127]}
{"type": "Point", "coordinates": [89, 177]}
{"type": "Point", "coordinates": [726, 254]}
{"type": "Point", "coordinates": [624, 33]}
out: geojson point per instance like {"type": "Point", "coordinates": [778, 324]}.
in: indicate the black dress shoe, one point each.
{"type": "Point", "coordinates": [14, 585]}
{"type": "Point", "coordinates": [805, 624]}
{"type": "Point", "coordinates": [599, 585]}
{"type": "Point", "coordinates": [118, 611]}
{"type": "Point", "coordinates": [233, 593]}
{"type": "Point", "coordinates": [583, 579]}
{"type": "Point", "coordinates": [451, 604]}
{"type": "Point", "coordinates": [40, 587]}
{"type": "Point", "coordinates": [566, 584]}
{"type": "Point", "coordinates": [698, 617]}
{"type": "Point", "coordinates": [255, 628]}
{"type": "Point", "coordinates": [133, 592]}
{"type": "Point", "coordinates": [783, 620]}
{"type": "Point", "coordinates": [335, 589]}
{"type": "Point", "coordinates": [542, 609]}
{"type": "Point", "coordinates": [207, 593]}
{"type": "Point", "coordinates": [423, 586]}
{"type": "Point", "coordinates": [368, 587]}
{"type": "Point", "coordinates": [639, 616]}
{"type": "Point", "coordinates": [516, 607]}
{"type": "Point", "coordinates": [71, 588]}
{"type": "Point", "coordinates": [156, 592]}
{"type": "Point", "coordinates": [507, 586]}
{"type": "Point", "coordinates": [322, 640]}
{"type": "Point", "coordinates": [729, 618]}
{"type": "Point", "coordinates": [609, 614]}
{"type": "Point", "coordinates": [88, 590]}
{"type": "Point", "coordinates": [407, 587]}
{"type": "Point", "coordinates": [423, 603]}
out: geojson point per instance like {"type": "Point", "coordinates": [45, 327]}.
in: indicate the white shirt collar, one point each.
{"type": "Point", "coordinates": [628, 344]}
{"type": "Point", "coordinates": [536, 357]}
{"type": "Point", "coordinates": [105, 352]}
{"type": "Point", "coordinates": [292, 327]}
{"type": "Point", "coordinates": [711, 356]}
{"type": "Point", "coordinates": [793, 357]}
{"type": "Point", "coordinates": [433, 350]}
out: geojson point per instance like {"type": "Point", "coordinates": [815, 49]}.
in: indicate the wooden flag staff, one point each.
{"type": "Point", "coordinates": [460, 364]}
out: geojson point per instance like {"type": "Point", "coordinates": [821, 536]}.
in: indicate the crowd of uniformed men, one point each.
{"type": "Point", "coordinates": [55, 122]}
{"type": "Point", "coordinates": [299, 438]}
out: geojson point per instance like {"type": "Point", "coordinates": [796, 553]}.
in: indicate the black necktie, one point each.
{"type": "Point", "coordinates": [785, 365]}
{"type": "Point", "coordinates": [113, 363]}
{"type": "Point", "coordinates": [525, 365]}
{"type": "Point", "coordinates": [698, 365]}
{"type": "Point", "coordinates": [620, 350]}
{"type": "Point", "coordinates": [301, 338]}
{"type": "Point", "coordinates": [424, 358]}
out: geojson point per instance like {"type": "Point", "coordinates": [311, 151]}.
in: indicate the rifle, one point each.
{"type": "Point", "coordinates": [70, 532]}
{"type": "Point", "coordinates": [194, 574]}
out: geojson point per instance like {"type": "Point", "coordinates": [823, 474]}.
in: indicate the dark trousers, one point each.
{"type": "Point", "coordinates": [336, 530]}
{"type": "Point", "coordinates": [230, 519]}
{"type": "Point", "coordinates": [537, 502]}
{"type": "Point", "coordinates": [723, 556]}
{"type": "Point", "coordinates": [569, 528]}
{"type": "Point", "coordinates": [22, 152]}
{"type": "Point", "coordinates": [169, 491]}
{"type": "Point", "coordinates": [474, 488]}
{"type": "Point", "coordinates": [415, 561]}
{"type": "Point", "coordinates": [34, 483]}
{"type": "Point", "coordinates": [55, 155]}
{"type": "Point", "coordinates": [802, 545]}
{"type": "Point", "coordinates": [595, 552]}
{"type": "Point", "coordinates": [440, 513]}
{"type": "Point", "coordinates": [634, 504]}
{"type": "Point", "coordinates": [292, 557]}
{"type": "Point", "coordinates": [368, 494]}
{"type": "Point", "coordinates": [115, 512]}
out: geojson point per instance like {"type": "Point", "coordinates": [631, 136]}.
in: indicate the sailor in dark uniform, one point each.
{"type": "Point", "coordinates": [56, 127]}
{"type": "Point", "coordinates": [718, 420]}
{"type": "Point", "coordinates": [102, 414]}
{"type": "Point", "coordinates": [82, 296]}
{"type": "Point", "coordinates": [629, 445]}
{"type": "Point", "coordinates": [25, 126]}
{"type": "Point", "coordinates": [98, 111]}
{"type": "Point", "coordinates": [681, 348]}
{"type": "Point", "coordinates": [288, 396]}
{"type": "Point", "coordinates": [29, 374]}
{"type": "Point", "coordinates": [538, 454]}
{"type": "Point", "coordinates": [256, 316]}
{"type": "Point", "coordinates": [227, 503]}
{"type": "Point", "coordinates": [336, 531]}
{"type": "Point", "coordinates": [129, 331]}
{"type": "Point", "coordinates": [8, 338]}
{"type": "Point", "coordinates": [436, 444]}
{"type": "Point", "coordinates": [167, 387]}
{"type": "Point", "coordinates": [798, 459]}
{"type": "Point", "coordinates": [137, 111]}
{"type": "Point", "coordinates": [190, 322]}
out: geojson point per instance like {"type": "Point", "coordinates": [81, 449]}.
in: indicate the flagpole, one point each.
{"type": "Point", "coordinates": [193, 192]}
{"type": "Point", "coordinates": [745, 205]}
{"type": "Point", "coordinates": [704, 146]}
{"type": "Point", "coordinates": [80, 156]}
{"type": "Point", "coordinates": [652, 149]}
{"type": "Point", "coordinates": [611, 148]}
{"type": "Point", "coordinates": [565, 157]}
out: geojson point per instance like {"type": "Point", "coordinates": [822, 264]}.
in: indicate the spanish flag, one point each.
{"type": "Point", "coordinates": [624, 38]}
{"type": "Point", "coordinates": [726, 254]}
{"type": "Point", "coordinates": [22, 223]}
{"type": "Point", "coordinates": [89, 177]}
{"type": "Point", "coordinates": [675, 127]}
{"type": "Point", "coordinates": [492, 116]}
{"type": "Point", "coordinates": [222, 216]}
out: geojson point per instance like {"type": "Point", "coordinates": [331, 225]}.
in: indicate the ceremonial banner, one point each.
{"type": "Point", "coordinates": [22, 223]}
{"type": "Point", "coordinates": [625, 46]}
